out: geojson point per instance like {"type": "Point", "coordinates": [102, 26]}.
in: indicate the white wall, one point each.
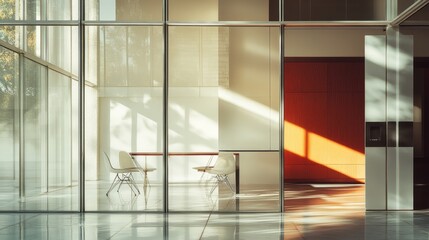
{"type": "Point", "coordinates": [327, 42]}
{"type": "Point", "coordinates": [134, 10]}
{"type": "Point", "coordinates": [196, 10]}
{"type": "Point", "coordinates": [248, 111]}
{"type": "Point", "coordinates": [243, 10]}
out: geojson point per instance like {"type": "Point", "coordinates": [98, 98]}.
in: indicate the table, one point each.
{"type": "Point", "coordinates": [236, 155]}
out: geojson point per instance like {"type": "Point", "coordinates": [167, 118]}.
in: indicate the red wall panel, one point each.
{"type": "Point", "coordinates": [305, 79]}
{"type": "Point", "coordinates": [324, 120]}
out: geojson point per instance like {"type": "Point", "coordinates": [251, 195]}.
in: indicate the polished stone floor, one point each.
{"type": "Point", "coordinates": [313, 211]}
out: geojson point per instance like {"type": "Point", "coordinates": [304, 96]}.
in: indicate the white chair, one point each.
{"type": "Point", "coordinates": [123, 175]}
{"type": "Point", "coordinates": [129, 161]}
{"type": "Point", "coordinates": [225, 165]}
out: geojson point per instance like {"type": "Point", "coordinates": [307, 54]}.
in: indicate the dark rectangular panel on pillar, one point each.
{"type": "Point", "coordinates": [421, 133]}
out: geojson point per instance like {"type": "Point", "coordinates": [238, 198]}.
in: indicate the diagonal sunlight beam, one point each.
{"type": "Point", "coordinates": [248, 104]}
{"type": "Point", "coordinates": [323, 151]}
{"type": "Point", "coordinates": [295, 139]}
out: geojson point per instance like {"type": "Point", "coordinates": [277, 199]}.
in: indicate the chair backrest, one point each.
{"type": "Point", "coordinates": [108, 163]}
{"type": "Point", "coordinates": [125, 160]}
{"type": "Point", "coordinates": [225, 163]}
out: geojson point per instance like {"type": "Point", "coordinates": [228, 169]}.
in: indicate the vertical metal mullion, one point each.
{"type": "Point", "coordinates": [386, 116]}
{"type": "Point", "coordinates": [165, 105]}
{"type": "Point", "coordinates": [45, 55]}
{"type": "Point", "coordinates": [281, 110]}
{"type": "Point", "coordinates": [44, 107]}
{"type": "Point", "coordinates": [21, 129]}
{"type": "Point", "coordinates": [81, 124]}
{"type": "Point", "coordinates": [281, 195]}
{"type": "Point", "coordinates": [71, 98]}
{"type": "Point", "coordinates": [24, 12]}
{"type": "Point", "coordinates": [70, 131]}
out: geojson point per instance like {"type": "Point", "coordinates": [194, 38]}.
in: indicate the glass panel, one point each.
{"type": "Point", "coordinates": [34, 40]}
{"type": "Point", "coordinates": [334, 10]}
{"type": "Point", "coordinates": [33, 10]}
{"type": "Point", "coordinates": [9, 120]}
{"type": "Point", "coordinates": [35, 140]}
{"type": "Point", "coordinates": [324, 102]}
{"type": "Point", "coordinates": [61, 9]}
{"type": "Point", "coordinates": [60, 142]}
{"type": "Point", "coordinates": [9, 35]}
{"type": "Point", "coordinates": [124, 99]}
{"type": "Point", "coordinates": [7, 12]}
{"type": "Point", "coordinates": [36, 10]}
{"type": "Point", "coordinates": [223, 99]}
{"type": "Point", "coordinates": [60, 46]}
{"type": "Point", "coordinates": [125, 10]}
{"type": "Point", "coordinates": [47, 138]}
{"type": "Point", "coordinates": [223, 10]}
{"type": "Point", "coordinates": [55, 44]}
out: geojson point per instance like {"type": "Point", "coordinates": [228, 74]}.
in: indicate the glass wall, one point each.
{"type": "Point", "coordinates": [38, 134]}
{"type": "Point", "coordinates": [224, 98]}
{"type": "Point", "coordinates": [124, 102]}
{"type": "Point", "coordinates": [9, 121]}
{"type": "Point", "coordinates": [174, 97]}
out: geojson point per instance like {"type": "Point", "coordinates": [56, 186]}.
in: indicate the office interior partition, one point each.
{"type": "Point", "coordinates": [173, 83]}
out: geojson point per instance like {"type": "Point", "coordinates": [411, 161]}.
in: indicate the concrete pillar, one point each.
{"type": "Point", "coordinates": [389, 121]}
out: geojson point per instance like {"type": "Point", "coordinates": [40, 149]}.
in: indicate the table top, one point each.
{"type": "Point", "coordinates": [177, 153]}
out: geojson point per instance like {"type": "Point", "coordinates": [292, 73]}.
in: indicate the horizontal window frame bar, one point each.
{"type": "Point", "coordinates": [208, 24]}
{"type": "Point", "coordinates": [38, 23]}
{"type": "Point", "coordinates": [304, 24]}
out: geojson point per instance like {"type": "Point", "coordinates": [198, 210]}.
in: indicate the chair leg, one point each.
{"type": "Point", "coordinates": [120, 179]}
{"type": "Point", "coordinates": [228, 183]}
{"type": "Point", "coordinates": [214, 187]}
{"type": "Point", "coordinates": [115, 182]}
{"type": "Point", "coordinates": [224, 179]}
{"type": "Point", "coordinates": [133, 182]}
{"type": "Point", "coordinates": [129, 180]}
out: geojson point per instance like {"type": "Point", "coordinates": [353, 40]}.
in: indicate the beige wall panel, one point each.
{"type": "Point", "coordinates": [193, 10]}
{"type": "Point", "coordinates": [243, 10]}
{"type": "Point", "coordinates": [327, 43]}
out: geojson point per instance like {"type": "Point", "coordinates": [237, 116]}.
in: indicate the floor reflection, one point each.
{"type": "Point", "coordinates": [312, 212]}
{"type": "Point", "coordinates": [185, 197]}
